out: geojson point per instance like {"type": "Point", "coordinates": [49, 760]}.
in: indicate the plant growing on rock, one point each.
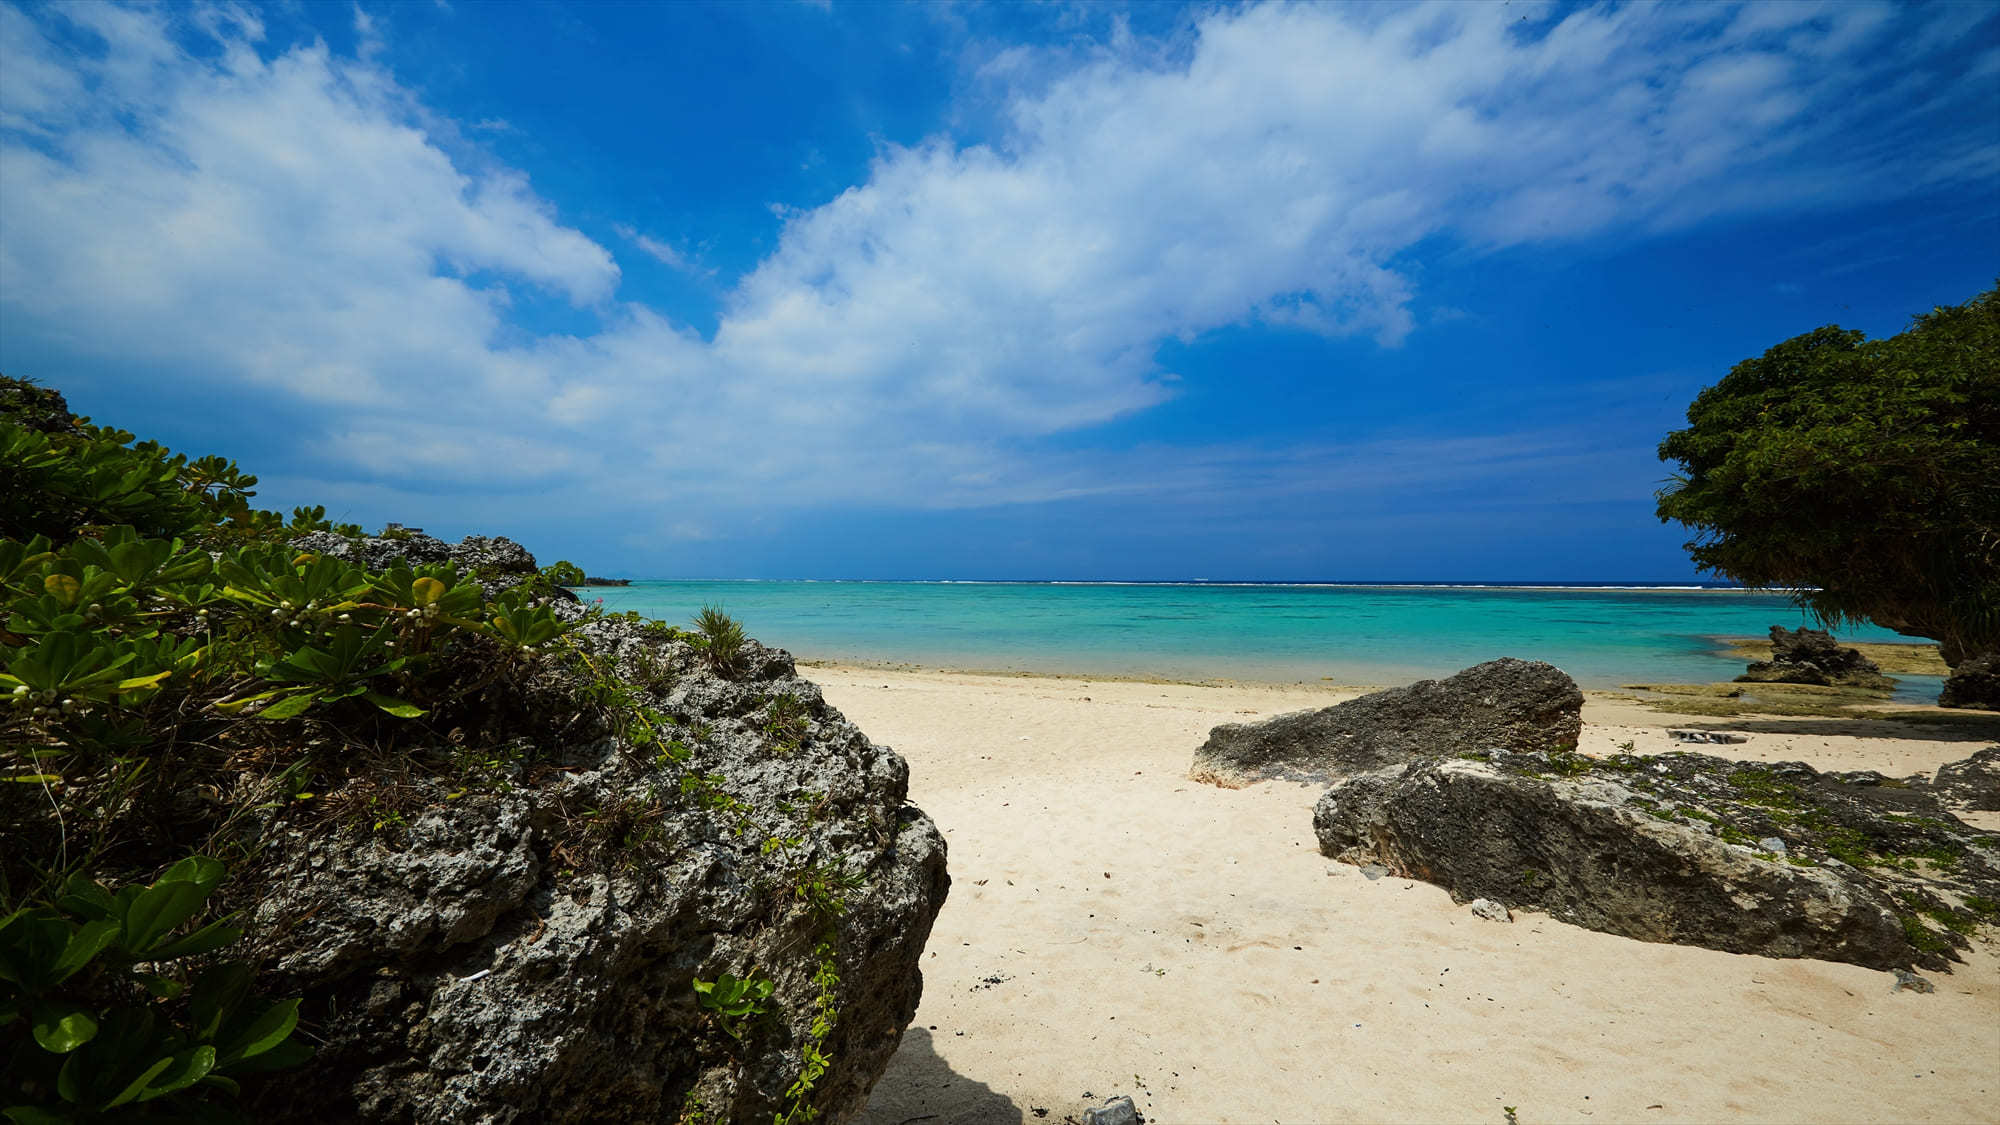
{"type": "Point", "coordinates": [733, 1001]}
{"type": "Point", "coordinates": [202, 677]}
{"type": "Point", "coordinates": [720, 639]}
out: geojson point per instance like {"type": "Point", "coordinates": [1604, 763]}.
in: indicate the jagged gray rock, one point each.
{"type": "Point", "coordinates": [1663, 849]}
{"type": "Point", "coordinates": [1509, 704]}
{"type": "Point", "coordinates": [1115, 1111]}
{"type": "Point", "coordinates": [497, 562]}
{"type": "Point", "coordinates": [376, 552]}
{"type": "Point", "coordinates": [1907, 981]}
{"type": "Point", "coordinates": [1811, 656]}
{"type": "Point", "coordinates": [528, 956]}
{"type": "Point", "coordinates": [1971, 784]}
{"type": "Point", "coordinates": [1974, 684]}
{"type": "Point", "coordinates": [492, 555]}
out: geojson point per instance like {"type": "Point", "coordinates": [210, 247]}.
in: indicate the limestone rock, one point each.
{"type": "Point", "coordinates": [1970, 784]}
{"type": "Point", "coordinates": [1509, 704]}
{"type": "Point", "coordinates": [528, 955]}
{"type": "Point", "coordinates": [1664, 849]}
{"type": "Point", "coordinates": [1974, 684]}
{"type": "Point", "coordinates": [497, 562]}
{"type": "Point", "coordinates": [1115, 1111]}
{"type": "Point", "coordinates": [1491, 911]}
{"type": "Point", "coordinates": [1811, 656]}
{"type": "Point", "coordinates": [376, 552]}
{"type": "Point", "coordinates": [1907, 981]}
{"type": "Point", "coordinates": [36, 408]}
{"type": "Point", "coordinates": [495, 555]}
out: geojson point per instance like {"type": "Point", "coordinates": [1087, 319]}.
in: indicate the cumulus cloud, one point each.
{"type": "Point", "coordinates": [298, 219]}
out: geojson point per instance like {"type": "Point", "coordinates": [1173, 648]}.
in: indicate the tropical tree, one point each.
{"type": "Point", "coordinates": [1864, 475]}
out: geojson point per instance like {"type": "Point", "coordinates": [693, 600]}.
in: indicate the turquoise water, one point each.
{"type": "Point", "coordinates": [1349, 634]}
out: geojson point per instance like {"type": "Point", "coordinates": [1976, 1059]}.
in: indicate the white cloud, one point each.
{"type": "Point", "coordinates": [298, 219]}
{"type": "Point", "coordinates": [655, 249]}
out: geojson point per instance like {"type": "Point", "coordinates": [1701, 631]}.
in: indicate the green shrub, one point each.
{"type": "Point", "coordinates": [90, 1035]}
{"type": "Point", "coordinates": [720, 639]}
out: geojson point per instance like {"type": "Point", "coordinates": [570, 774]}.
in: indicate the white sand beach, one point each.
{"type": "Point", "coordinates": [1115, 928]}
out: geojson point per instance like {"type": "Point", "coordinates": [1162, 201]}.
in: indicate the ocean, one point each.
{"type": "Point", "coordinates": [1602, 635]}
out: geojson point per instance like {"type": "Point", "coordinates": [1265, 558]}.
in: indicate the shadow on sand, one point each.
{"type": "Point", "coordinates": [920, 1086]}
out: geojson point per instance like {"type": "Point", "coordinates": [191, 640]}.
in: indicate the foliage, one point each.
{"type": "Point", "coordinates": [88, 1033]}
{"type": "Point", "coordinates": [787, 721]}
{"type": "Point", "coordinates": [160, 638]}
{"type": "Point", "coordinates": [734, 1001]}
{"type": "Point", "coordinates": [565, 573]}
{"type": "Point", "coordinates": [1864, 474]}
{"type": "Point", "coordinates": [813, 1059]}
{"type": "Point", "coordinates": [179, 677]}
{"type": "Point", "coordinates": [720, 639]}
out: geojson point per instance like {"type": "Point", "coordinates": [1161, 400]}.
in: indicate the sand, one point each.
{"type": "Point", "coordinates": [1114, 928]}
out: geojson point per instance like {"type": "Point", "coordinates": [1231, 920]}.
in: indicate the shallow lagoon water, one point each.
{"type": "Point", "coordinates": [1602, 636]}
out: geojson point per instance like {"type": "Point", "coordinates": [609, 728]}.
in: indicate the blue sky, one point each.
{"type": "Point", "coordinates": [969, 290]}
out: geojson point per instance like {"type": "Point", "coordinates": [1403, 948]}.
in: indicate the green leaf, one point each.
{"type": "Point", "coordinates": [84, 945]}
{"type": "Point", "coordinates": [290, 706]}
{"type": "Point", "coordinates": [402, 709]}
{"type": "Point", "coordinates": [31, 943]}
{"type": "Point", "coordinates": [84, 898]}
{"type": "Point", "coordinates": [139, 1084]}
{"type": "Point", "coordinates": [137, 682]}
{"type": "Point", "coordinates": [216, 994]}
{"type": "Point", "coordinates": [290, 1053]}
{"type": "Point", "coordinates": [29, 1115]}
{"type": "Point", "coordinates": [170, 901]}
{"type": "Point", "coordinates": [189, 1067]}
{"type": "Point", "coordinates": [69, 1080]}
{"type": "Point", "coordinates": [61, 1028]}
{"type": "Point", "coordinates": [208, 939]}
{"type": "Point", "coordinates": [270, 1028]}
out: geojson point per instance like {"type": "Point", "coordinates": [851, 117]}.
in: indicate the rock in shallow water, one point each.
{"type": "Point", "coordinates": [1812, 656]}
{"type": "Point", "coordinates": [1660, 850]}
{"type": "Point", "coordinates": [1507, 704]}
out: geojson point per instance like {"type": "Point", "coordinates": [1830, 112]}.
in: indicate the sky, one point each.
{"type": "Point", "coordinates": [966, 290]}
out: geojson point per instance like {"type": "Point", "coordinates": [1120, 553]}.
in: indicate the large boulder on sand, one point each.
{"type": "Point", "coordinates": [1974, 684]}
{"type": "Point", "coordinates": [1506, 704]}
{"type": "Point", "coordinates": [1812, 656]}
{"type": "Point", "coordinates": [530, 955]}
{"type": "Point", "coordinates": [1749, 857]}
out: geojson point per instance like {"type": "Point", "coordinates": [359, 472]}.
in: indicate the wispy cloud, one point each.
{"type": "Point", "coordinates": [286, 217]}
{"type": "Point", "coordinates": [658, 251]}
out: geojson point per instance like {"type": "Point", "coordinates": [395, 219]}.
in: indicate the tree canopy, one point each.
{"type": "Point", "coordinates": [1863, 474]}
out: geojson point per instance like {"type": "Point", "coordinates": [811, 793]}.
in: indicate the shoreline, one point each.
{"type": "Point", "coordinates": [1116, 928]}
{"type": "Point", "coordinates": [920, 668]}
